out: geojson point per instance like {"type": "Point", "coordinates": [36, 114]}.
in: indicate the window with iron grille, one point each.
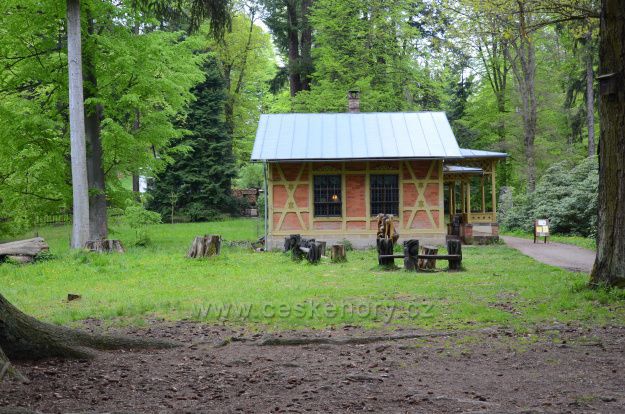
{"type": "Point", "coordinates": [327, 195]}
{"type": "Point", "coordinates": [384, 192]}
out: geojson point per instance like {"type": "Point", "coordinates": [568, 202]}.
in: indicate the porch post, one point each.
{"type": "Point", "coordinates": [469, 196]}
{"type": "Point", "coordinates": [483, 194]}
{"type": "Point", "coordinates": [493, 188]}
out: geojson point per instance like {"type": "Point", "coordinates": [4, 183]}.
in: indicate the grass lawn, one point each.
{"type": "Point", "coordinates": [269, 291]}
{"type": "Point", "coordinates": [585, 242]}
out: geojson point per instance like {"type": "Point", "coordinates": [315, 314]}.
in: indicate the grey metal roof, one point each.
{"type": "Point", "coordinates": [458, 169]}
{"type": "Point", "coordinates": [471, 153]}
{"type": "Point", "coordinates": [340, 136]}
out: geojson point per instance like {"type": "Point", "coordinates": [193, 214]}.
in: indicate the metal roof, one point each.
{"type": "Point", "coordinates": [458, 169]}
{"type": "Point", "coordinates": [340, 136]}
{"type": "Point", "coordinates": [471, 153]}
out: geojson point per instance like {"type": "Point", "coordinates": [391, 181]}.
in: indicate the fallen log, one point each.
{"type": "Point", "coordinates": [105, 246]}
{"type": "Point", "coordinates": [29, 247]}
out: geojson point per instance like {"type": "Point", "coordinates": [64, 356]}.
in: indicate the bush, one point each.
{"type": "Point", "coordinates": [566, 194]}
{"type": "Point", "coordinates": [138, 218]}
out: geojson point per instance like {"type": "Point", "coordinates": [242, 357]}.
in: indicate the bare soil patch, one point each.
{"type": "Point", "coordinates": [567, 369]}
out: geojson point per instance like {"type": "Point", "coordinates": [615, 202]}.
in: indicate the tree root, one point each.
{"type": "Point", "coordinates": [355, 340]}
{"type": "Point", "coordinates": [7, 370]}
{"type": "Point", "coordinates": [350, 340]}
{"type": "Point", "coordinates": [24, 337]}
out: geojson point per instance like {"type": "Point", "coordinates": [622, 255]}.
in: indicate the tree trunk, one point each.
{"type": "Point", "coordinates": [24, 337]}
{"type": "Point", "coordinates": [98, 221]}
{"type": "Point", "coordinates": [524, 68]}
{"type": "Point", "coordinates": [306, 63]}
{"type": "Point", "coordinates": [295, 82]}
{"type": "Point", "coordinates": [80, 222]}
{"type": "Point", "coordinates": [7, 370]}
{"type": "Point", "coordinates": [609, 268]}
{"type": "Point", "coordinates": [590, 93]}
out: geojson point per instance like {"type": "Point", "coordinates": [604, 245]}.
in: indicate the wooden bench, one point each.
{"type": "Point", "coordinates": [411, 255]}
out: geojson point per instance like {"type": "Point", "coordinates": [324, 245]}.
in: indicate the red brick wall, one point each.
{"type": "Point", "coordinates": [355, 191]}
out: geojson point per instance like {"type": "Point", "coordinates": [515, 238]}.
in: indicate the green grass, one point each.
{"type": "Point", "coordinates": [585, 242]}
{"type": "Point", "coordinates": [498, 287]}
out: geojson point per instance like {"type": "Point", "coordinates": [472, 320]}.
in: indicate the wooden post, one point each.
{"type": "Point", "coordinates": [469, 196]}
{"type": "Point", "coordinates": [493, 177]}
{"type": "Point", "coordinates": [323, 247]}
{"type": "Point", "coordinates": [337, 253]}
{"type": "Point", "coordinates": [411, 253]}
{"type": "Point", "coordinates": [483, 194]}
{"type": "Point", "coordinates": [454, 247]}
{"type": "Point", "coordinates": [463, 197]}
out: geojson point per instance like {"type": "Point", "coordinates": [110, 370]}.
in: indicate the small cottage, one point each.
{"type": "Point", "coordinates": [328, 175]}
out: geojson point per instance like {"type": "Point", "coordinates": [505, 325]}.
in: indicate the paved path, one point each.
{"type": "Point", "coordinates": [566, 256]}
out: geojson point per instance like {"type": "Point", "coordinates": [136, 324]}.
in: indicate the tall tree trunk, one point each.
{"type": "Point", "coordinates": [306, 46]}
{"type": "Point", "coordinates": [609, 268]}
{"type": "Point", "coordinates": [524, 68]}
{"type": "Point", "coordinates": [136, 185]}
{"type": "Point", "coordinates": [295, 82]}
{"type": "Point", "coordinates": [80, 223]}
{"type": "Point", "coordinates": [590, 93]}
{"type": "Point", "coordinates": [98, 221]}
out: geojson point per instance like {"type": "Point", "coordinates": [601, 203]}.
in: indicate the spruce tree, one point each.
{"type": "Point", "coordinates": [198, 183]}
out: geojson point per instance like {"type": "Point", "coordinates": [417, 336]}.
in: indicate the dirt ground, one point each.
{"type": "Point", "coordinates": [558, 369]}
{"type": "Point", "coordinates": [566, 256]}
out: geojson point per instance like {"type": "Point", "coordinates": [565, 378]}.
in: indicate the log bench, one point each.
{"type": "Point", "coordinates": [412, 257]}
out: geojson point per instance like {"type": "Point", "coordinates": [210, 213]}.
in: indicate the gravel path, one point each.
{"type": "Point", "coordinates": [566, 256]}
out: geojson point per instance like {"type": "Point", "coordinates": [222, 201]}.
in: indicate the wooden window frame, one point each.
{"type": "Point", "coordinates": [376, 202]}
{"type": "Point", "coordinates": [323, 205]}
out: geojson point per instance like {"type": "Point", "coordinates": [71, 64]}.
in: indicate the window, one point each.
{"type": "Point", "coordinates": [384, 194]}
{"type": "Point", "coordinates": [327, 195]}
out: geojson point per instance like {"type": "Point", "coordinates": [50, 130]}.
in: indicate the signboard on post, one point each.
{"type": "Point", "coordinates": [541, 229]}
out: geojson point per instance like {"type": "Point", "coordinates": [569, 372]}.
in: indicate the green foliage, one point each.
{"type": "Point", "coordinates": [144, 77]}
{"type": "Point", "coordinates": [250, 176]}
{"type": "Point", "coordinates": [566, 195]}
{"type": "Point", "coordinates": [138, 219]}
{"type": "Point", "coordinates": [200, 180]}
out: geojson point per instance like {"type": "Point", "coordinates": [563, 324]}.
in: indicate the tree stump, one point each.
{"type": "Point", "coordinates": [454, 247]}
{"type": "Point", "coordinates": [411, 255]}
{"type": "Point", "coordinates": [428, 264]}
{"type": "Point", "coordinates": [337, 253]}
{"type": "Point", "coordinates": [105, 246]}
{"type": "Point", "coordinates": [205, 246]}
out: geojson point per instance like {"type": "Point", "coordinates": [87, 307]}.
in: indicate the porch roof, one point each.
{"type": "Point", "coordinates": [458, 169]}
{"type": "Point", "coordinates": [351, 136]}
{"type": "Point", "coordinates": [473, 154]}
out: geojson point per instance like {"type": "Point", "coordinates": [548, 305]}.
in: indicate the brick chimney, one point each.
{"type": "Point", "coordinates": [353, 101]}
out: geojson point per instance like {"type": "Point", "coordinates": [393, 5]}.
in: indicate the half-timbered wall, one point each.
{"type": "Point", "coordinates": [291, 198]}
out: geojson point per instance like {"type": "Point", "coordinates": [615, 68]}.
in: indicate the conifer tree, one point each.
{"type": "Point", "coordinates": [198, 183]}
